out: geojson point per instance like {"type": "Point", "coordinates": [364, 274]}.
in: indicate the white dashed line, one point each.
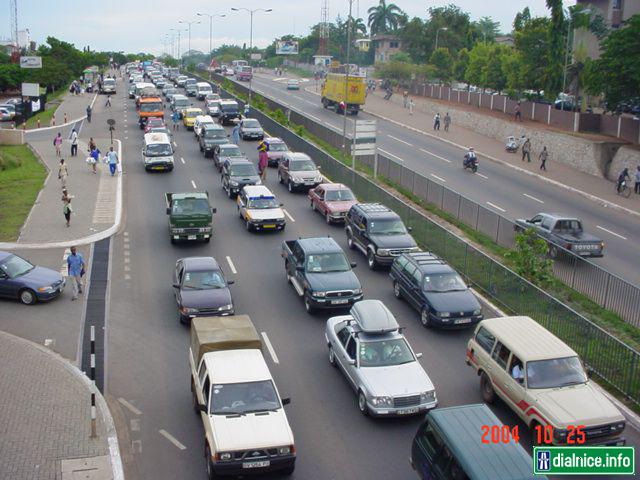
{"type": "Point", "coordinates": [231, 265]}
{"type": "Point", "coordinates": [194, 184]}
{"type": "Point", "coordinates": [390, 154]}
{"type": "Point", "coordinates": [272, 352]}
{"type": "Point", "coordinates": [310, 102]}
{"type": "Point", "coordinates": [533, 198]}
{"type": "Point", "coordinates": [482, 176]}
{"type": "Point", "coordinates": [438, 178]}
{"type": "Point", "coordinates": [288, 216]}
{"type": "Point", "coordinates": [129, 406]}
{"type": "Point", "coordinates": [434, 155]}
{"type": "Point", "coordinates": [496, 207]}
{"type": "Point", "coordinates": [182, 160]}
{"type": "Point", "coordinates": [172, 439]}
{"type": "Point", "coordinates": [398, 140]}
{"type": "Point", "coordinates": [612, 233]}
{"type": "Point", "coordinates": [315, 118]}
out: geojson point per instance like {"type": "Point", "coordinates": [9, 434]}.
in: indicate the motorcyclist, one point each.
{"type": "Point", "coordinates": [469, 158]}
{"type": "Point", "coordinates": [624, 174]}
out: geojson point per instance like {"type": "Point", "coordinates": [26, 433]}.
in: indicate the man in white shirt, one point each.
{"type": "Point", "coordinates": [74, 143]}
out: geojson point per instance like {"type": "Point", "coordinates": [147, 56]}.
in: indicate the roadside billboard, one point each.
{"type": "Point", "coordinates": [30, 89]}
{"type": "Point", "coordinates": [30, 62]}
{"type": "Point", "coordinates": [286, 47]}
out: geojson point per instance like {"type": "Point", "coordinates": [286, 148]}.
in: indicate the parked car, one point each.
{"type": "Point", "coordinates": [28, 283]}
{"type": "Point", "coordinates": [296, 170]}
{"type": "Point", "coordinates": [379, 233]}
{"type": "Point", "coordinates": [5, 115]}
{"type": "Point", "coordinates": [225, 152]}
{"type": "Point", "coordinates": [10, 108]}
{"type": "Point", "coordinates": [293, 84]}
{"type": "Point", "coordinates": [201, 289]}
{"type": "Point", "coordinates": [378, 362]}
{"type": "Point", "coordinates": [250, 129]}
{"type": "Point", "coordinates": [332, 200]}
{"type": "Point", "coordinates": [259, 208]}
{"type": "Point", "coordinates": [212, 136]}
{"type": "Point", "coordinates": [276, 148]}
{"type": "Point", "coordinates": [435, 290]}
{"type": "Point", "coordinates": [236, 174]}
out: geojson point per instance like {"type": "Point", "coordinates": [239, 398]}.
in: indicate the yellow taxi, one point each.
{"type": "Point", "coordinates": [189, 116]}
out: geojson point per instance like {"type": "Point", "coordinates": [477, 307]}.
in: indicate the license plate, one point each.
{"type": "Point", "coordinates": [408, 411]}
{"type": "Point", "coordinates": [157, 168]}
{"type": "Point", "coordinates": [309, 182]}
{"type": "Point", "coordinates": [462, 320]}
{"type": "Point", "coordinates": [191, 237]}
{"type": "Point", "coordinates": [261, 464]}
{"type": "Point", "coordinates": [269, 226]}
{"type": "Point", "coordinates": [341, 301]}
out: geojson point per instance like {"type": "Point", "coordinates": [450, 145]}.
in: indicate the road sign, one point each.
{"type": "Point", "coordinates": [111, 122]}
{"type": "Point", "coordinates": [256, 56]}
{"type": "Point", "coordinates": [364, 135]}
{"type": "Point", "coordinates": [30, 62]}
{"type": "Point", "coordinates": [30, 89]}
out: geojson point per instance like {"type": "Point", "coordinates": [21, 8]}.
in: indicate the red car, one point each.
{"type": "Point", "coordinates": [276, 149]}
{"type": "Point", "coordinates": [333, 200]}
{"type": "Point", "coordinates": [153, 122]}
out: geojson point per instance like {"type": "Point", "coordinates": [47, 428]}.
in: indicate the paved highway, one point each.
{"type": "Point", "coordinates": [499, 188]}
{"type": "Point", "coordinates": [147, 364]}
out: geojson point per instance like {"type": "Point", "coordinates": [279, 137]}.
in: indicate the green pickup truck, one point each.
{"type": "Point", "coordinates": [190, 216]}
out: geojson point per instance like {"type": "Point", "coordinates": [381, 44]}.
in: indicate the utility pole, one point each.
{"type": "Point", "coordinates": [221, 15]}
{"type": "Point", "coordinates": [189, 24]}
{"type": "Point", "coordinates": [346, 78]}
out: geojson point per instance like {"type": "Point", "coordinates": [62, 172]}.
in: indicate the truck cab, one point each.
{"type": "Point", "coordinates": [190, 216]}
{"type": "Point", "coordinates": [245, 425]}
{"type": "Point", "coordinates": [333, 92]}
{"type": "Point", "coordinates": [150, 106]}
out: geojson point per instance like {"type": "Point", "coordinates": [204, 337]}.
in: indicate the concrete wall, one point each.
{"type": "Point", "coordinates": [11, 137]}
{"type": "Point", "coordinates": [625, 157]}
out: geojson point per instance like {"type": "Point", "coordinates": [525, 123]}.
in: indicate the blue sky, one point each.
{"type": "Point", "coordinates": [141, 25]}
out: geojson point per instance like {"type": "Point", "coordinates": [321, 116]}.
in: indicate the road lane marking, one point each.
{"type": "Point", "coordinates": [398, 140]}
{"type": "Point", "coordinates": [172, 439]}
{"type": "Point", "coordinates": [182, 160]}
{"type": "Point", "coordinates": [533, 198]}
{"type": "Point", "coordinates": [310, 102]}
{"type": "Point", "coordinates": [231, 265]}
{"type": "Point", "coordinates": [129, 406]}
{"type": "Point", "coordinates": [612, 233]}
{"type": "Point", "coordinates": [482, 176]}
{"type": "Point", "coordinates": [288, 216]}
{"type": "Point", "coordinates": [434, 155]}
{"type": "Point", "coordinates": [314, 117]}
{"type": "Point", "coordinates": [272, 352]}
{"type": "Point", "coordinates": [496, 207]}
{"type": "Point", "coordinates": [194, 184]}
{"type": "Point", "coordinates": [439, 178]}
{"type": "Point", "coordinates": [390, 154]}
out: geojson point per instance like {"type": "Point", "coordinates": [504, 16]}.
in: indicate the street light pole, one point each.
{"type": "Point", "coordinates": [222, 15]}
{"type": "Point", "coordinates": [346, 78]}
{"type": "Point", "coordinates": [189, 24]}
{"type": "Point", "coordinates": [437, 32]}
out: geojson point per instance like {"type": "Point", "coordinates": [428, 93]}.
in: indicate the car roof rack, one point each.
{"type": "Point", "coordinates": [374, 207]}
{"type": "Point", "coordinates": [427, 258]}
{"type": "Point", "coordinates": [372, 316]}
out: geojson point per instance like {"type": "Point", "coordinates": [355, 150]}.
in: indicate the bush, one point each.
{"type": "Point", "coordinates": [530, 258]}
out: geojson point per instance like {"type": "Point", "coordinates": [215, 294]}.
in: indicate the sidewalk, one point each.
{"type": "Point", "coordinates": [561, 174]}
{"type": "Point", "coordinates": [45, 418]}
{"type": "Point", "coordinates": [74, 106]}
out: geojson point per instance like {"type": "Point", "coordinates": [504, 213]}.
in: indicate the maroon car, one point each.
{"type": "Point", "coordinates": [153, 122]}
{"type": "Point", "coordinates": [276, 148]}
{"type": "Point", "coordinates": [333, 200]}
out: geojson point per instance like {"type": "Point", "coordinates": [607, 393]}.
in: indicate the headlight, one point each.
{"type": "Point", "coordinates": [414, 249]}
{"type": "Point", "coordinates": [357, 291]}
{"type": "Point", "coordinates": [320, 294]}
{"type": "Point", "coordinates": [382, 401]}
{"type": "Point", "coordinates": [618, 427]}
{"type": "Point", "coordinates": [224, 456]}
{"type": "Point", "coordinates": [428, 396]}
{"type": "Point", "coordinates": [226, 307]}
{"type": "Point", "coordinates": [233, 183]}
{"type": "Point", "coordinates": [444, 314]}
{"type": "Point", "coordinates": [383, 252]}
{"type": "Point", "coordinates": [319, 178]}
{"type": "Point", "coordinates": [48, 288]}
{"type": "Point", "coordinates": [177, 230]}
{"type": "Point", "coordinates": [477, 312]}
{"type": "Point", "coordinates": [296, 179]}
{"type": "Point", "coordinates": [284, 450]}
{"type": "Point", "coordinates": [188, 310]}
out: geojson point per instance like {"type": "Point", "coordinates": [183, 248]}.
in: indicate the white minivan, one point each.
{"type": "Point", "coordinates": [201, 121]}
{"type": "Point", "coordinates": [157, 152]}
{"type": "Point", "coordinates": [202, 88]}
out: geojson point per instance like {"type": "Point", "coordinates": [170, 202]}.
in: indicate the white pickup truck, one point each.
{"type": "Point", "coordinates": [246, 428]}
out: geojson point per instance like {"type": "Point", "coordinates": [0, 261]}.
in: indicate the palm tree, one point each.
{"type": "Point", "coordinates": [384, 18]}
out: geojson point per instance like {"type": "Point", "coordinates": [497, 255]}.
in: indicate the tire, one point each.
{"type": "Point", "coordinates": [286, 272]}
{"type": "Point", "coordinates": [289, 470]}
{"type": "Point", "coordinates": [210, 473]}
{"type": "Point", "coordinates": [553, 251]}
{"type": "Point", "coordinates": [207, 240]}
{"type": "Point", "coordinates": [27, 296]}
{"type": "Point", "coordinates": [534, 435]}
{"type": "Point", "coordinates": [290, 186]}
{"type": "Point", "coordinates": [313, 206]}
{"type": "Point", "coordinates": [424, 318]}
{"type": "Point", "coordinates": [488, 394]}
{"type": "Point", "coordinates": [280, 178]}
{"type": "Point", "coordinates": [362, 404]}
{"type": "Point", "coordinates": [182, 319]}
{"type": "Point", "coordinates": [248, 225]}
{"type": "Point", "coordinates": [327, 218]}
{"type": "Point", "coordinates": [307, 305]}
{"type": "Point", "coordinates": [196, 406]}
{"type": "Point", "coordinates": [173, 240]}
{"type": "Point", "coordinates": [229, 194]}
{"type": "Point", "coordinates": [396, 290]}
{"type": "Point", "coordinates": [332, 357]}
{"type": "Point", "coordinates": [350, 243]}
{"type": "Point", "coordinates": [371, 260]}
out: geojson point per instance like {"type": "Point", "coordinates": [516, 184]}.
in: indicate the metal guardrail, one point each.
{"type": "Point", "coordinates": [612, 360]}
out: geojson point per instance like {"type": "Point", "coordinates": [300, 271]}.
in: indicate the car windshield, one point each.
{"type": "Point", "coordinates": [193, 113]}
{"type": "Point", "coordinates": [212, 96]}
{"type": "Point", "coordinates": [444, 282]}
{"type": "Point", "coordinates": [15, 266]}
{"type": "Point", "coordinates": [151, 107]}
{"type": "Point", "coordinates": [327, 262]}
{"type": "Point", "coordinates": [262, 202]}
{"type": "Point", "coordinates": [339, 195]}
{"type": "Point", "coordinates": [158, 150]}
{"type": "Point", "coordinates": [206, 280]}
{"type": "Point", "coordinates": [387, 227]}
{"type": "Point", "coordinates": [229, 107]}
{"type": "Point", "coordinates": [277, 147]}
{"type": "Point", "coordinates": [191, 206]}
{"type": "Point", "coordinates": [385, 353]}
{"type": "Point", "coordinates": [181, 102]}
{"type": "Point", "coordinates": [213, 104]}
{"type": "Point", "coordinates": [242, 398]}
{"type": "Point", "coordinates": [155, 122]}
{"type": "Point", "coordinates": [555, 373]}
{"type": "Point", "coordinates": [242, 170]}
{"type": "Point", "coordinates": [215, 133]}
{"type": "Point", "coordinates": [251, 124]}
{"type": "Point", "coordinates": [302, 165]}
{"type": "Point", "coordinates": [205, 89]}
{"type": "Point", "coordinates": [230, 152]}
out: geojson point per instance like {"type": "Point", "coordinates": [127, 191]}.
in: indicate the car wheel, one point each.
{"type": "Point", "coordinates": [332, 356]}
{"type": "Point", "coordinates": [210, 473]}
{"type": "Point", "coordinates": [196, 405]}
{"type": "Point", "coordinates": [327, 218]}
{"type": "Point", "coordinates": [229, 194]}
{"type": "Point", "coordinates": [207, 240]}
{"type": "Point", "coordinates": [307, 305]}
{"type": "Point", "coordinates": [553, 251]}
{"type": "Point", "coordinates": [424, 318]}
{"type": "Point", "coordinates": [27, 296]}
{"type": "Point", "coordinates": [313, 206]}
{"type": "Point", "coordinates": [488, 394]}
{"type": "Point", "coordinates": [396, 290]}
{"type": "Point", "coordinates": [248, 225]}
{"type": "Point", "coordinates": [183, 320]}
{"type": "Point", "coordinates": [280, 178]}
{"type": "Point", "coordinates": [535, 431]}
{"type": "Point", "coordinates": [289, 470]}
{"type": "Point", "coordinates": [350, 240]}
{"type": "Point", "coordinates": [371, 260]}
{"type": "Point", "coordinates": [362, 404]}
{"type": "Point", "coordinates": [290, 186]}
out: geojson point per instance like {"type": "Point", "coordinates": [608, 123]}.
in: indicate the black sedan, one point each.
{"type": "Point", "coordinates": [28, 283]}
{"type": "Point", "coordinates": [201, 289]}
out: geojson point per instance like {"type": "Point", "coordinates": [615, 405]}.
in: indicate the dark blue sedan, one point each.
{"type": "Point", "coordinates": [28, 283]}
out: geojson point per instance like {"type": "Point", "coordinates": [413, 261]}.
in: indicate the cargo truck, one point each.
{"type": "Point", "coordinates": [333, 92]}
{"type": "Point", "coordinates": [190, 216]}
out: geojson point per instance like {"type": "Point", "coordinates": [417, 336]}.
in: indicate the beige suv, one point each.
{"type": "Point", "coordinates": [543, 381]}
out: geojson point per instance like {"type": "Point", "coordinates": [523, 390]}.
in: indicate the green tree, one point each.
{"type": "Point", "coordinates": [384, 17]}
{"type": "Point", "coordinates": [521, 19]}
{"type": "Point", "coordinates": [401, 57]}
{"type": "Point", "coordinates": [512, 70]}
{"type": "Point", "coordinates": [460, 65]}
{"type": "Point", "coordinates": [457, 34]}
{"type": "Point", "coordinates": [11, 76]}
{"type": "Point", "coordinates": [399, 71]}
{"type": "Point", "coordinates": [531, 42]}
{"type": "Point", "coordinates": [413, 39]}
{"type": "Point", "coordinates": [554, 69]}
{"type": "Point", "coordinates": [487, 28]}
{"type": "Point", "coordinates": [479, 56]}
{"type": "Point", "coordinates": [441, 60]}
{"type": "Point", "coordinates": [530, 258]}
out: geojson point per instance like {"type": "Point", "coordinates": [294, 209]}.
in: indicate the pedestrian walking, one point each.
{"type": "Point", "coordinates": [65, 196]}
{"type": "Point", "coordinates": [89, 112]}
{"type": "Point", "coordinates": [175, 117]}
{"type": "Point", "coordinates": [636, 187]}
{"type": "Point", "coordinates": [436, 121]}
{"type": "Point", "coordinates": [405, 99]}
{"type": "Point", "coordinates": [94, 158]}
{"type": "Point", "coordinates": [518, 113]}
{"type": "Point", "coordinates": [411, 106]}
{"type": "Point", "coordinates": [235, 134]}
{"type": "Point", "coordinates": [57, 142]}
{"type": "Point", "coordinates": [108, 104]}
{"type": "Point", "coordinates": [67, 210]}
{"type": "Point", "coordinates": [74, 143]}
{"type": "Point", "coordinates": [75, 268]}
{"type": "Point", "coordinates": [544, 155]}
{"type": "Point", "coordinates": [263, 162]}
{"type": "Point", "coordinates": [526, 150]}
{"type": "Point", "coordinates": [63, 173]}
{"type": "Point", "coordinates": [112, 158]}
{"type": "Point", "coordinates": [447, 122]}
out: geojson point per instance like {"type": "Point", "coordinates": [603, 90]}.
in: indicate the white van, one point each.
{"type": "Point", "coordinates": [202, 88]}
{"type": "Point", "coordinates": [157, 152]}
{"type": "Point", "coordinates": [201, 121]}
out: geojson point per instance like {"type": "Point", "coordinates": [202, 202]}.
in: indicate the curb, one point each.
{"type": "Point", "coordinates": [79, 119]}
{"type": "Point", "coordinates": [84, 240]}
{"type": "Point", "coordinates": [593, 198]}
{"type": "Point", "coordinates": [107, 419]}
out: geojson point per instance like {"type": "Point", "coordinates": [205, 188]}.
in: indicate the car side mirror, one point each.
{"type": "Point", "coordinates": [176, 285]}
{"type": "Point", "coordinates": [409, 229]}
{"type": "Point", "coordinates": [286, 401]}
{"type": "Point", "coordinates": [351, 361]}
{"type": "Point", "coordinates": [282, 204]}
{"type": "Point", "coordinates": [318, 167]}
{"type": "Point", "coordinates": [354, 264]}
{"type": "Point", "coordinates": [214, 210]}
{"type": "Point", "coordinates": [168, 210]}
{"type": "Point", "coordinates": [418, 355]}
{"type": "Point", "coordinates": [202, 407]}
{"type": "Point", "coordinates": [589, 372]}
{"type": "Point", "coordinates": [230, 282]}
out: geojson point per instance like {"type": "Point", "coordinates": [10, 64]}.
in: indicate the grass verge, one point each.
{"type": "Point", "coordinates": [46, 115]}
{"type": "Point", "coordinates": [21, 178]}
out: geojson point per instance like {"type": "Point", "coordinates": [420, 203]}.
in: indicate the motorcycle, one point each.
{"type": "Point", "coordinates": [471, 163]}
{"type": "Point", "coordinates": [511, 145]}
